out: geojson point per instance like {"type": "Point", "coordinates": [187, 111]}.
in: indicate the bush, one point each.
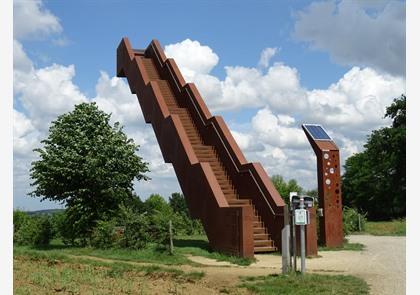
{"type": "Point", "coordinates": [34, 231]}
{"type": "Point", "coordinates": [104, 234]}
{"type": "Point", "coordinates": [58, 221]}
{"type": "Point", "coordinates": [19, 218]}
{"type": "Point", "coordinates": [351, 220]}
{"type": "Point", "coordinates": [67, 226]}
{"type": "Point", "coordinates": [142, 229]}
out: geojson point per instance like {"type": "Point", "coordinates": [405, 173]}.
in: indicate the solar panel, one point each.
{"type": "Point", "coordinates": [317, 132]}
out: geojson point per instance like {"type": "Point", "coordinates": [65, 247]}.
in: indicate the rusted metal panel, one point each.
{"type": "Point", "coordinates": [229, 226]}
{"type": "Point", "coordinates": [329, 190]}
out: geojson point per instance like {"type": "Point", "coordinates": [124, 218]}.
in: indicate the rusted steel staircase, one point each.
{"type": "Point", "coordinates": [240, 209]}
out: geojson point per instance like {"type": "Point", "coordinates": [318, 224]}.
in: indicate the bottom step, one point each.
{"type": "Point", "coordinates": [264, 249]}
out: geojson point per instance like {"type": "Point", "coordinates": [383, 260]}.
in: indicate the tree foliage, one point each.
{"type": "Point", "coordinates": [284, 188]}
{"type": "Point", "coordinates": [32, 230]}
{"type": "Point", "coordinates": [374, 180]}
{"type": "Point", "coordinates": [87, 164]}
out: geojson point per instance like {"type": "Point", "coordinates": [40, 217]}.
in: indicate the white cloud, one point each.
{"type": "Point", "coordinates": [349, 109]}
{"type": "Point", "coordinates": [360, 33]}
{"type": "Point", "coordinates": [48, 92]}
{"type": "Point", "coordinates": [114, 96]}
{"type": "Point", "coordinates": [31, 20]}
{"type": "Point", "coordinates": [270, 129]}
{"type": "Point", "coordinates": [192, 57]}
{"type": "Point", "coordinates": [266, 56]}
{"type": "Point", "coordinates": [25, 135]}
{"type": "Point", "coordinates": [357, 102]}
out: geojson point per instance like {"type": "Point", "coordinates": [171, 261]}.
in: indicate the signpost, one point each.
{"type": "Point", "coordinates": [300, 216]}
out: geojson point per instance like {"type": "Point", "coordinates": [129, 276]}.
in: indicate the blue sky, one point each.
{"type": "Point", "coordinates": [316, 70]}
{"type": "Point", "coordinates": [236, 30]}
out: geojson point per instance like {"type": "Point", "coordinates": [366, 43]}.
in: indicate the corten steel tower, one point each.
{"type": "Point", "coordinates": [329, 190]}
{"type": "Point", "coordinates": [241, 211]}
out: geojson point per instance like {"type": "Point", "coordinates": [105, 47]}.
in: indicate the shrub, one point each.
{"type": "Point", "coordinates": [351, 220]}
{"type": "Point", "coordinates": [34, 231]}
{"type": "Point", "coordinates": [19, 218]}
{"type": "Point", "coordinates": [104, 235]}
{"type": "Point", "coordinates": [58, 221]}
{"type": "Point", "coordinates": [137, 229]}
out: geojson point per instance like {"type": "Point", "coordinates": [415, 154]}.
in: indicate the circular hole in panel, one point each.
{"type": "Point", "coordinates": [333, 156]}
{"type": "Point", "coordinates": [335, 166]}
{"type": "Point", "coordinates": [326, 156]}
{"type": "Point", "coordinates": [338, 201]}
{"type": "Point", "coordinates": [336, 184]}
{"type": "Point", "coordinates": [328, 181]}
{"type": "Point", "coordinates": [337, 191]}
{"type": "Point", "coordinates": [332, 170]}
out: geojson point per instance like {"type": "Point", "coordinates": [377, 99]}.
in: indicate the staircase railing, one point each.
{"type": "Point", "coordinates": [240, 165]}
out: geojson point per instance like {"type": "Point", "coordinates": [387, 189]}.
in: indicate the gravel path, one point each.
{"type": "Point", "coordinates": [381, 264]}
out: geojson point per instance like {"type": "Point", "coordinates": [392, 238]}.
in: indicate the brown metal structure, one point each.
{"type": "Point", "coordinates": [241, 211]}
{"type": "Point", "coordinates": [329, 190]}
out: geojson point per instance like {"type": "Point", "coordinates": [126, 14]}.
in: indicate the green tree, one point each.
{"type": "Point", "coordinates": [183, 223]}
{"type": "Point", "coordinates": [178, 204]}
{"type": "Point", "coordinates": [374, 180]}
{"type": "Point", "coordinates": [284, 188]}
{"type": "Point", "coordinates": [34, 231]}
{"type": "Point", "coordinates": [87, 164]}
{"type": "Point", "coordinates": [156, 203]}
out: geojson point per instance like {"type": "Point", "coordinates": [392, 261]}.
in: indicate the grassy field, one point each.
{"type": "Point", "coordinates": [48, 273]}
{"type": "Point", "coordinates": [386, 228]}
{"type": "Point", "coordinates": [307, 284]}
{"type": "Point", "coordinates": [199, 246]}
{"type": "Point", "coordinates": [45, 272]}
{"type": "Point", "coordinates": [77, 270]}
{"type": "Point", "coordinates": [193, 245]}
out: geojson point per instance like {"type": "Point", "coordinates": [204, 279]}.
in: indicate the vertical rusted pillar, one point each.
{"type": "Point", "coordinates": [329, 190]}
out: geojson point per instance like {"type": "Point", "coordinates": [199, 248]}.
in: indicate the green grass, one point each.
{"type": "Point", "coordinates": [151, 254]}
{"type": "Point", "coordinates": [37, 272]}
{"type": "Point", "coordinates": [386, 228]}
{"type": "Point", "coordinates": [346, 247]}
{"type": "Point", "coordinates": [306, 284]}
{"type": "Point", "coordinates": [199, 246]}
{"type": "Point", "coordinates": [194, 245]}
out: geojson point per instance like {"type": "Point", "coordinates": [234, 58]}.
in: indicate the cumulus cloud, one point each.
{"type": "Point", "coordinates": [357, 33]}
{"type": "Point", "coordinates": [192, 57]}
{"type": "Point", "coordinates": [266, 56]}
{"type": "Point", "coordinates": [31, 20]}
{"type": "Point", "coordinates": [114, 96]}
{"type": "Point", "coordinates": [349, 109]}
{"type": "Point", "coordinates": [25, 135]}
{"type": "Point", "coordinates": [357, 102]}
{"type": "Point", "coordinates": [48, 92]}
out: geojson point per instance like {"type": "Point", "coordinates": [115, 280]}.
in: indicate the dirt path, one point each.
{"type": "Point", "coordinates": [381, 264]}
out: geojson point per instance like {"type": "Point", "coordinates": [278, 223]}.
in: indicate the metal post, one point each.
{"type": "Point", "coordinates": [171, 244]}
{"type": "Point", "coordinates": [285, 242]}
{"type": "Point", "coordinates": [360, 224]}
{"type": "Point", "coordinates": [294, 243]}
{"type": "Point", "coordinates": [302, 242]}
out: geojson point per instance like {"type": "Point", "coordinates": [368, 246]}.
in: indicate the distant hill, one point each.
{"type": "Point", "coordinates": [45, 212]}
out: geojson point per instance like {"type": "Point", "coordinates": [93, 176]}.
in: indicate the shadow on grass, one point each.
{"type": "Point", "coordinates": [181, 243]}
{"type": "Point", "coordinates": [52, 247]}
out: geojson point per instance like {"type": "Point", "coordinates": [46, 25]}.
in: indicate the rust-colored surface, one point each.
{"type": "Point", "coordinates": [240, 209]}
{"type": "Point", "coordinates": [311, 239]}
{"type": "Point", "coordinates": [329, 191]}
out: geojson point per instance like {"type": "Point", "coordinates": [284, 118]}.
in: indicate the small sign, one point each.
{"type": "Point", "coordinates": [301, 217]}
